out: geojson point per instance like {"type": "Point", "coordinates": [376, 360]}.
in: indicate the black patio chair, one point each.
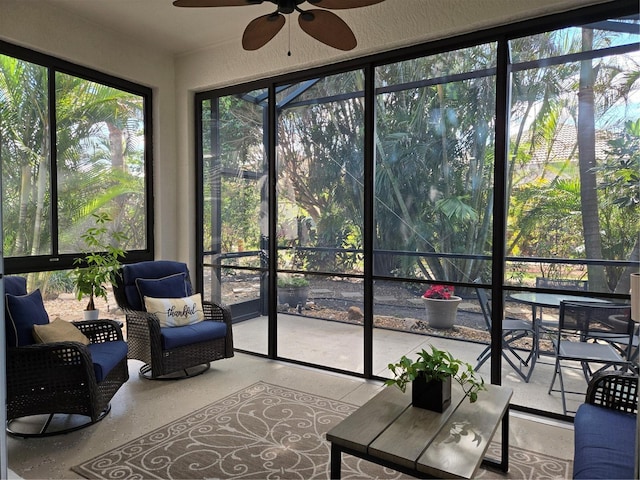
{"type": "Point", "coordinates": [560, 284]}
{"type": "Point", "coordinates": [513, 332]}
{"type": "Point", "coordinates": [580, 325]}
{"type": "Point", "coordinates": [61, 376]}
{"type": "Point", "coordinates": [549, 327]}
{"type": "Point", "coordinates": [170, 352]}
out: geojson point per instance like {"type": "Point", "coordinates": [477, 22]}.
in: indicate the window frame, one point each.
{"type": "Point", "coordinates": [54, 65]}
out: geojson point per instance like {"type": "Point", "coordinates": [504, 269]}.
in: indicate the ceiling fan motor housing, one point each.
{"type": "Point", "coordinates": [287, 6]}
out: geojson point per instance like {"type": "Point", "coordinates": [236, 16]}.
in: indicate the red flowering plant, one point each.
{"type": "Point", "coordinates": [440, 292]}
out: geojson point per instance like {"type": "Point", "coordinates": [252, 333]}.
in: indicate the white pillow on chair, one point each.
{"type": "Point", "coordinates": [176, 312]}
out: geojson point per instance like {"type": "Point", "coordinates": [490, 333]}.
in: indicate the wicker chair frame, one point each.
{"type": "Point", "coordinates": [58, 378]}
{"type": "Point", "coordinates": [614, 390]}
{"type": "Point", "coordinates": [145, 342]}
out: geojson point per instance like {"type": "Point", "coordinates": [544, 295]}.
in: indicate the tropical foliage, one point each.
{"type": "Point", "coordinates": [95, 164]}
{"type": "Point", "coordinates": [569, 182]}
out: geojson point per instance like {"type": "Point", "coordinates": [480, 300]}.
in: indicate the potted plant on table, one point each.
{"type": "Point", "coordinates": [441, 306]}
{"type": "Point", "coordinates": [100, 265]}
{"type": "Point", "coordinates": [293, 290]}
{"type": "Point", "coordinates": [431, 374]}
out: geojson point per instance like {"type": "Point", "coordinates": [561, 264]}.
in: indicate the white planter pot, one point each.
{"type": "Point", "coordinates": [441, 313]}
{"type": "Point", "coordinates": [91, 314]}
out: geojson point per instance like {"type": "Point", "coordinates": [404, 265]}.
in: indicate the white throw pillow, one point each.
{"type": "Point", "coordinates": [176, 312]}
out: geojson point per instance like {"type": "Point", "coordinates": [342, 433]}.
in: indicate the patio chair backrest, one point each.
{"type": "Point", "coordinates": [596, 318]}
{"type": "Point", "coordinates": [485, 305]}
{"type": "Point", "coordinates": [562, 283]}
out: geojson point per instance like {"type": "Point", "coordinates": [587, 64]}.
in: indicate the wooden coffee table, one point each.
{"type": "Point", "coordinates": [388, 431]}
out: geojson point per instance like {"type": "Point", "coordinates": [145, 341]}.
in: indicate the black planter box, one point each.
{"type": "Point", "coordinates": [434, 395]}
{"type": "Point", "coordinates": [293, 296]}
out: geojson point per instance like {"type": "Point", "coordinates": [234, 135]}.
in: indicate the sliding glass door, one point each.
{"type": "Point", "coordinates": [501, 165]}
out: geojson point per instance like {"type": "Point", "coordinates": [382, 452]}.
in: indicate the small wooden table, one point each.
{"type": "Point", "coordinates": [388, 431]}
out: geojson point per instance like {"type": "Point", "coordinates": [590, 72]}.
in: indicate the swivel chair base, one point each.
{"type": "Point", "coordinates": [37, 431]}
{"type": "Point", "coordinates": [145, 372]}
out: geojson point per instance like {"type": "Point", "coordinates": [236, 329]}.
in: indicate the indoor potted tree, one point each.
{"type": "Point", "coordinates": [100, 264]}
{"type": "Point", "coordinates": [441, 306]}
{"type": "Point", "coordinates": [431, 374]}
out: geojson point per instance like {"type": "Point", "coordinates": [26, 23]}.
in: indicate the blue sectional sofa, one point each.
{"type": "Point", "coordinates": [605, 428]}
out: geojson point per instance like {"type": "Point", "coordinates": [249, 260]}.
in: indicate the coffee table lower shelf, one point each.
{"type": "Point", "coordinates": [390, 432]}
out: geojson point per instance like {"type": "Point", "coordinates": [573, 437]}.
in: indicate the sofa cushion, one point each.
{"type": "Point", "coordinates": [106, 355]}
{"type": "Point", "coordinates": [176, 312]}
{"type": "Point", "coordinates": [171, 286]}
{"type": "Point", "coordinates": [24, 311]}
{"type": "Point", "coordinates": [604, 443]}
{"type": "Point", "coordinates": [173, 337]}
{"type": "Point", "coordinates": [59, 331]}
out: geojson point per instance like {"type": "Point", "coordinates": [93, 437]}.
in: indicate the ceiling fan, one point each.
{"type": "Point", "coordinates": [324, 26]}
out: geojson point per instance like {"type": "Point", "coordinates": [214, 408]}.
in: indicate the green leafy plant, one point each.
{"type": "Point", "coordinates": [100, 264]}
{"type": "Point", "coordinates": [292, 282]}
{"type": "Point", "coordinates": [436, 365]}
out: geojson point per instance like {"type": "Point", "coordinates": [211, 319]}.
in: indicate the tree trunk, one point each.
{"type": "Point", "coordinates": [587, 160]}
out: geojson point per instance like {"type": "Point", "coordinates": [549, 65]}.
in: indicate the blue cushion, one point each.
{"type": "Point", "coordinates": [105, 356]}
{"type": "Point", "coordinates": [148, 270]}
{"type": "Point", "coordinates": [172, 286]}
{"type": "Point", "coordinates": [604, 443]}
{"type": "Point", "coordinates": [173, 337]}
{"type": "Point", "coordinates": [24, 312]}
{"type": "Point", "coordinates": [15, 285]}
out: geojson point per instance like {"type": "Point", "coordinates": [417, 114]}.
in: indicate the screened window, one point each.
{"type": "Point", "coordinates": [72, 143]}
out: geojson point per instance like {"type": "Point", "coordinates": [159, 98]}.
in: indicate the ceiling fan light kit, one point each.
{"type": "Point", "coordinates": [323, 25]}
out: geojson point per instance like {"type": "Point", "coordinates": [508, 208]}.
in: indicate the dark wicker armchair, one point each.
{"type": "Point", "coordinates": [48, 384]}
{"type": "Point", "coordinates": [605, 428]}
{"type": "Point", "coordinates": [153, 344]}
{"type": "Point", "coordinates": [615, 391]}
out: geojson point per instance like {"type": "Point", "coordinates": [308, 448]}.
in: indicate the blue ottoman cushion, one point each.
{"type": "Point", "coordinates": [173, 337]}
{"type": "Point", "coordinates": [604, 443]}
{"type": "Point", "coordinates": [105, 356]}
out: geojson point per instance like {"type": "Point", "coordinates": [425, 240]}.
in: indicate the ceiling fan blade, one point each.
{"type": "Point", "coordinates": [342, 4]}
{"type": "Point", "coordinates": [215, 3]}
{"type": "Point", "coordinates": [328, 28]}
{"type": "Point", "coordinates": [261, 30]}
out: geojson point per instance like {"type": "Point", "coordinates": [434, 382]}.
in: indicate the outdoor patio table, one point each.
{"type": "Point", "coordinates": [549, 300]}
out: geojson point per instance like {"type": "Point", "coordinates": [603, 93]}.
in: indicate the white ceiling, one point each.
{"type": "Point", "coordinates": [182, 30]}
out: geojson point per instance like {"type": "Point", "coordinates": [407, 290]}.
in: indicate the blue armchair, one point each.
{"type": "Point", "coordinates": [171, 344]}
{"type": "Point", "coordinates": [57, 369]}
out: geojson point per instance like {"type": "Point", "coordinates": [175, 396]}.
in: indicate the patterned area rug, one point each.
{"type": "Point", "coordinates": [266, 432]}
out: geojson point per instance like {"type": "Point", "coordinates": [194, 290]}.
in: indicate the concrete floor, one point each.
{"type": "Point", "coordinates": [340, 345]}
{"type": "Point", "coordinates": [142, 405]}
